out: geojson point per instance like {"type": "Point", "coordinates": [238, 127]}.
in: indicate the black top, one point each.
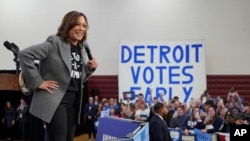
{"type": "Point", "coordinates": [76, 63]}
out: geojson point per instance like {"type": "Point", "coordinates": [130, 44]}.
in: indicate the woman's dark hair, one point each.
{"type": "Point", "coordinates": [214, 117]}
{"type": "Point", "coordinates": [131, 106]}
{"type": "Point", "coordinates": [192, 116]}
{"type": "Point", "coordinates": [234, 111]}
{"type": "Point", "coordinates": [117, 112]}
{"type": "Point", "coordinates": [181, 107]}
{"type": "Point", "coordinates": [6, 107]}
{"type": "Point", "coordinates": [68, 22]}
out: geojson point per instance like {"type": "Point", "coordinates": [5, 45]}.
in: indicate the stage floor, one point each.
{"type": "Point", "coordinates": [83, 137]}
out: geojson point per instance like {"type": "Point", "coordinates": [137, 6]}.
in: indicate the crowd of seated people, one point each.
{"type": "Point", "coordinates": [206, 113]}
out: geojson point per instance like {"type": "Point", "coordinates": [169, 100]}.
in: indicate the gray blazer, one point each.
{"type": "Point", "coordinates": [55, 64]}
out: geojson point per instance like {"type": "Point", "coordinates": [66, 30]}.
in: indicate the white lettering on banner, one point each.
{"type": "Point", "coordinates": [203, 137]}
{"type": "Point", "coordinates": [174, 68]}
{"type": "Point", "coordinates": [106, 137]}
{"type": "Point", "coordinates": [175, 134]}
{"type": "Point", "coordinates": [188, 138]}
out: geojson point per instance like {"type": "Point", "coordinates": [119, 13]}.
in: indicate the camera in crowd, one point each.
{"type": "Point", "coordinates": [235, 116]}
{"type": "Point", "coordinates": [243, 117]}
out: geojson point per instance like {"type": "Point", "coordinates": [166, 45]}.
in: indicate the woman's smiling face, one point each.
{"type": "Point", "coordinates": [78, 31]}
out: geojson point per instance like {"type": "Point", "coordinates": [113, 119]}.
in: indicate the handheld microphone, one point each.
{"type": "Point", "coordinates": [12, 47]}
{"type": "Point", "coordinates": [88, 53]}
{"type": "Point", "coordinates": [85, 44]}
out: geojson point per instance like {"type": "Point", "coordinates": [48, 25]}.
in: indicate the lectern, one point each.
{"type": "Point", "coordinates": [119, 129]}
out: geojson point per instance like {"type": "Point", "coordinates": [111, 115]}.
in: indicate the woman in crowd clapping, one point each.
{"type": "Point", "coordinates": [212, 123]}
{"type": "Point", "coordinates": [194, 121]}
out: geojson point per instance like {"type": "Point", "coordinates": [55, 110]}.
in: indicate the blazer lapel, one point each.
{"type": "Point", "coordinates": [65, 50]}
{"type": "Point", "coordinates": [84, 60]}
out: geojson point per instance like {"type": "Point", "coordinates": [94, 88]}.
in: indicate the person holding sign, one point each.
{"type": "Point", "coordinates": [158, 129]}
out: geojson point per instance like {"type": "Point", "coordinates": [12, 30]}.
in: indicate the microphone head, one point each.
{"type": "Point", "coordinates": [7, 44]}
{"type": "Point", "coordinates": [11, 46]}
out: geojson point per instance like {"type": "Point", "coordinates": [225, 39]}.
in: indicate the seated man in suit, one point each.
{"type": "Point", "coordinates": [158, 129]}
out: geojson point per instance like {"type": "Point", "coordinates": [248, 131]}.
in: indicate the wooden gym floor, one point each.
{"type": "Point", "coordinates": [83, 137]}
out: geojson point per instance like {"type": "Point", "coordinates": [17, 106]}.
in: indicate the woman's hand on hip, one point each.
{"type": "Point", "coordinates": [49, 85]}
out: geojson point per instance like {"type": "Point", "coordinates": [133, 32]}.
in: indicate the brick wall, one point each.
{"type": "Point", "coordinates": [217, 85]}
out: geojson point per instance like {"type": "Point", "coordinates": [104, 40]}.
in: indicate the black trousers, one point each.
{"type": "Point", "coordinates": [63, 124]}
{"type": "Point", "coordinates": [8, 132]}
{"type": "Point", "coordinates": [90, 128]}
{"type": "Point", "coordinates": [23, 125]}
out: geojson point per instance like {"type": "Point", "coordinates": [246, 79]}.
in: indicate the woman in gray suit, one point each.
{"type": "Point", "coordinates": [58, 84]}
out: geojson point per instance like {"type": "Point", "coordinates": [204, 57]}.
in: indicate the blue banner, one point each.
{"type": "Point", "coordinates": [202, 136]}
{"type": "Point", "coordinates": [129, 95]}
{"type": "Point", "coordinates": [176, 134]}
{"type": "Point", "coordinates": [115, 128]}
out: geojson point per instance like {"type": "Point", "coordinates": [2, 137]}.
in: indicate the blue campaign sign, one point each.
{"type": "Point", "coordinates": [190, 137]}
{"type": "Point", "coordinates": [115, 128]}
{"type": "Point", "coordinates": [173, 68]}
{"type": "Point", "coordinates": [176, 134]}
{"type": "Point", "coordinates": [200, 136]}
{"type": "Point", "coordinates": [105, 113]}
{"type": "Point", "coordinates": [129, 95]}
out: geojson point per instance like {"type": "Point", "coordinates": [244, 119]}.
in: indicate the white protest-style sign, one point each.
{"type": "Point", "coordinates": [168, 68]}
